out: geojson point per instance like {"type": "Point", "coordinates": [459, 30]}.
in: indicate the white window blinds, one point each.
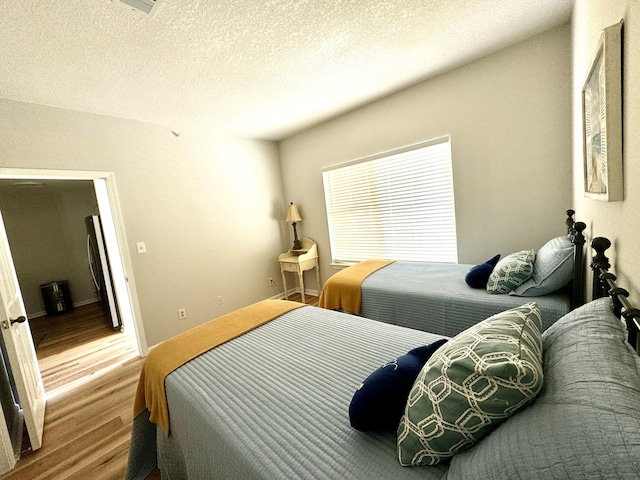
{"type": "Point", "coordinates": [396, 206]}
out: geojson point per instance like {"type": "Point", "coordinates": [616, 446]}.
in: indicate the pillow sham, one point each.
{"type": "Point", "coordinates": [552, 269]}
{"type": "Point", "coordinates": [478, 276]}
{"type": "Point", "coordinates": [470, 385]}
{"type": "Point", "coordinates": [586, 421]}
{"type": "Point", "coordinates": [511, 271]}
{"type": "Point", "coordinates": [379, 401]}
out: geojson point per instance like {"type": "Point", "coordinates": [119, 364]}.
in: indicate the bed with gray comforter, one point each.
{"type": "Point", "coordinates": [447, 298]}
{"type": "Point", "coordinates": [434, 297]}
{"type": "Point", "coordinates": [273, 403]}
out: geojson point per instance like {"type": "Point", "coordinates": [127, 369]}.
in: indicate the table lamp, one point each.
{"type": "Point", "coordinates": [294, 216]}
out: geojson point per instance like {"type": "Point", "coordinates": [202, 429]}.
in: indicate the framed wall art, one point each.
{"type": "Point", "coordinates": [602, 119]}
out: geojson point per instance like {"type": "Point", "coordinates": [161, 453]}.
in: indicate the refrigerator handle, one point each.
{"type": "Point", "coordinates": [91, 257]}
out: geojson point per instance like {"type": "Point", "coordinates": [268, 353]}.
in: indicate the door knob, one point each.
{"type": "Point", "coordinates": [20, 319]}
{"type": "Point", "coordinates": [6, 325]}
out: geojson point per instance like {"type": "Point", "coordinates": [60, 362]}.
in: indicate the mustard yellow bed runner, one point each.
{"type": "Point", "coordinates": [173, 353]}
{"type": "Point", "coordinates": [343, 290]}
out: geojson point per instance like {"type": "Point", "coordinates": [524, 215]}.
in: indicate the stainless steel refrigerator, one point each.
{"type": "Point", "coordinates": [101, 271]}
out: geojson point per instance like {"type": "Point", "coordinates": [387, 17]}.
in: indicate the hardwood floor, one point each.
{"type": "Point", "coordinates": [90, 374]}
{"type": "Point", "coordinates": [74, 346]}
{"type": "Point", "coordinates": [308, 299]}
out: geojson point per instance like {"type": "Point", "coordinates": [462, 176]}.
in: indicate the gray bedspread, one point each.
{"type": "Point", "coordinates": [274, 403]}
{"type": "Point", "coordinates": [434, 297]}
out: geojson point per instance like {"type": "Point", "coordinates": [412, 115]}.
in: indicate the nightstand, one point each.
{"type": "Point", "coordinates": [299, 261]}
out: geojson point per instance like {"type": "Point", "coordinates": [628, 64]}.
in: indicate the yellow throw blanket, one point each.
{"type": "Point", "coordinates": [173, 353]}
{"type": "Point", "coordinates": [343, 290]}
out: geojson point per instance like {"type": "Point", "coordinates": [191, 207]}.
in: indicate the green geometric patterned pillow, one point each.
{"type": "Point", "coordinates": [511, 271]}
{"type": "Point", "coordinates": [475, 381]}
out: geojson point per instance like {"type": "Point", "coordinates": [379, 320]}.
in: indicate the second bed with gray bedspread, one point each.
{"type": "Point", "coordinates": [434, 297]}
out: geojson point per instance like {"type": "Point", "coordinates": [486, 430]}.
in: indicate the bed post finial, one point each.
{"type": "Point", "coordinates": [577, 235]}
{"type": "Point", "coordinates": [570, 221]}
{"type": "Point", "coordinates": [600, 265]}
{"type": "Point", "coordinates": [600, 244]}
{"type": "Point", "coordinates": [578, 240]}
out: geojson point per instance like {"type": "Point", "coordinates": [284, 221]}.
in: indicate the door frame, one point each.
{"type": "Point", "coordinates": [115, 238]}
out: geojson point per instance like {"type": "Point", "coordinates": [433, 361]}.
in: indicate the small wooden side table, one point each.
{"type": "Point", "coordinates": [299, 261]}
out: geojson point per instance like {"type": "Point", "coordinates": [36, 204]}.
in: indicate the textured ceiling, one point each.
{"type": "Point", "coordinates": [258, 69]}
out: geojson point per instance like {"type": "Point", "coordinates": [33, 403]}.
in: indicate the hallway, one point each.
{"type": "Point", "coordinates": [74, 346]}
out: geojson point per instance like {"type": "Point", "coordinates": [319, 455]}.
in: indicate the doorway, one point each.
{"type": "Point", "coordinates": [102, 186]}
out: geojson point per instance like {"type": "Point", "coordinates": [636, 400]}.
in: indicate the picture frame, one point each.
{"type": "Point", "coordinates": [602, 119]}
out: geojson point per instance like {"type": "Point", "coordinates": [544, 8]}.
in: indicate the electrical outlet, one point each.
{"type": "Point", "coordinates": [220, 301]}
{"type": "Point", "coordinates": [270, 280]}
{"type": "Point", "coordinates": [182, 313]}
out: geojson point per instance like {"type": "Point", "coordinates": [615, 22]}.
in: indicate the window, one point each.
{"type": "Point", "coordinates": [398, 205]}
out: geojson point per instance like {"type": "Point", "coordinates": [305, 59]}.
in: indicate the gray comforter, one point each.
{"type": "Point", "coordinates": [274, 403]}
{"type": "Point", "coordinates": [434, 297]}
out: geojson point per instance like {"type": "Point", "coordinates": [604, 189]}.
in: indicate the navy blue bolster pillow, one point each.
{"type": "Point", "coordinates": [380, 400]}
{"type": "Point", "coordinates": [478, 276]}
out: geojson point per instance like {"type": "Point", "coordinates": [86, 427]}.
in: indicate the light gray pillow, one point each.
{"type": "Point", "coordinates": [552, 269]}
{"type": "Point", "coordinates": [511, 271]}
{"type": "Point", "coordinates": [585, 422]}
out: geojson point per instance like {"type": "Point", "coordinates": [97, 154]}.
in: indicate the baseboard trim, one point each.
{"type": "Point", "coordinates": [43, 313]}
{"type": "Point", "coordinates": [280, 296]}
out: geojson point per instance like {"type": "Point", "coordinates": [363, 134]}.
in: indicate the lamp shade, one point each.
{"type": "Point", "coordinates": [292, 214]}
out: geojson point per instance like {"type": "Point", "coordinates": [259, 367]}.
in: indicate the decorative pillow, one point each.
{"type": "Point", "coordinates": [586, 421]}
{"type": "Point", "coordinates": [511, 271]}
{"type": "Point", "coordinates": [380, 400]}
{"type": "Point", "coordinates": [478, 276]}
{"type": "Point", "coordinates": [474, 382]}
{"type": "Point", "coordinates": [552, 269]}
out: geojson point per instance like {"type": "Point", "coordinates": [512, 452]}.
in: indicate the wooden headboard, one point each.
{"type": "Point", "coordinates": [604, 283]}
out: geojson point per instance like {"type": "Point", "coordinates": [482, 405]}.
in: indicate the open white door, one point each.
{"type": "Point", "coordinates": [20, 349]}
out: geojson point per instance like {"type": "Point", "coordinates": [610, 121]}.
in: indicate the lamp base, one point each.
{"type": "Point", "coordinates": [296, 242]}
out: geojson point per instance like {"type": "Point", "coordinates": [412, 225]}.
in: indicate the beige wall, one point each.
{"type": "Point", "coordinates": [618, 221]}
{"type": "Point", "coordinates": [210, 209]}
{"type": "Point", "coordinates": [508, 115]}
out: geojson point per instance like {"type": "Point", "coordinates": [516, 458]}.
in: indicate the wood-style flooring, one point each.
{"type": "Point", "coordinates": [74, 346]}
{"type": "Point", "coordinates": [90, 375]}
